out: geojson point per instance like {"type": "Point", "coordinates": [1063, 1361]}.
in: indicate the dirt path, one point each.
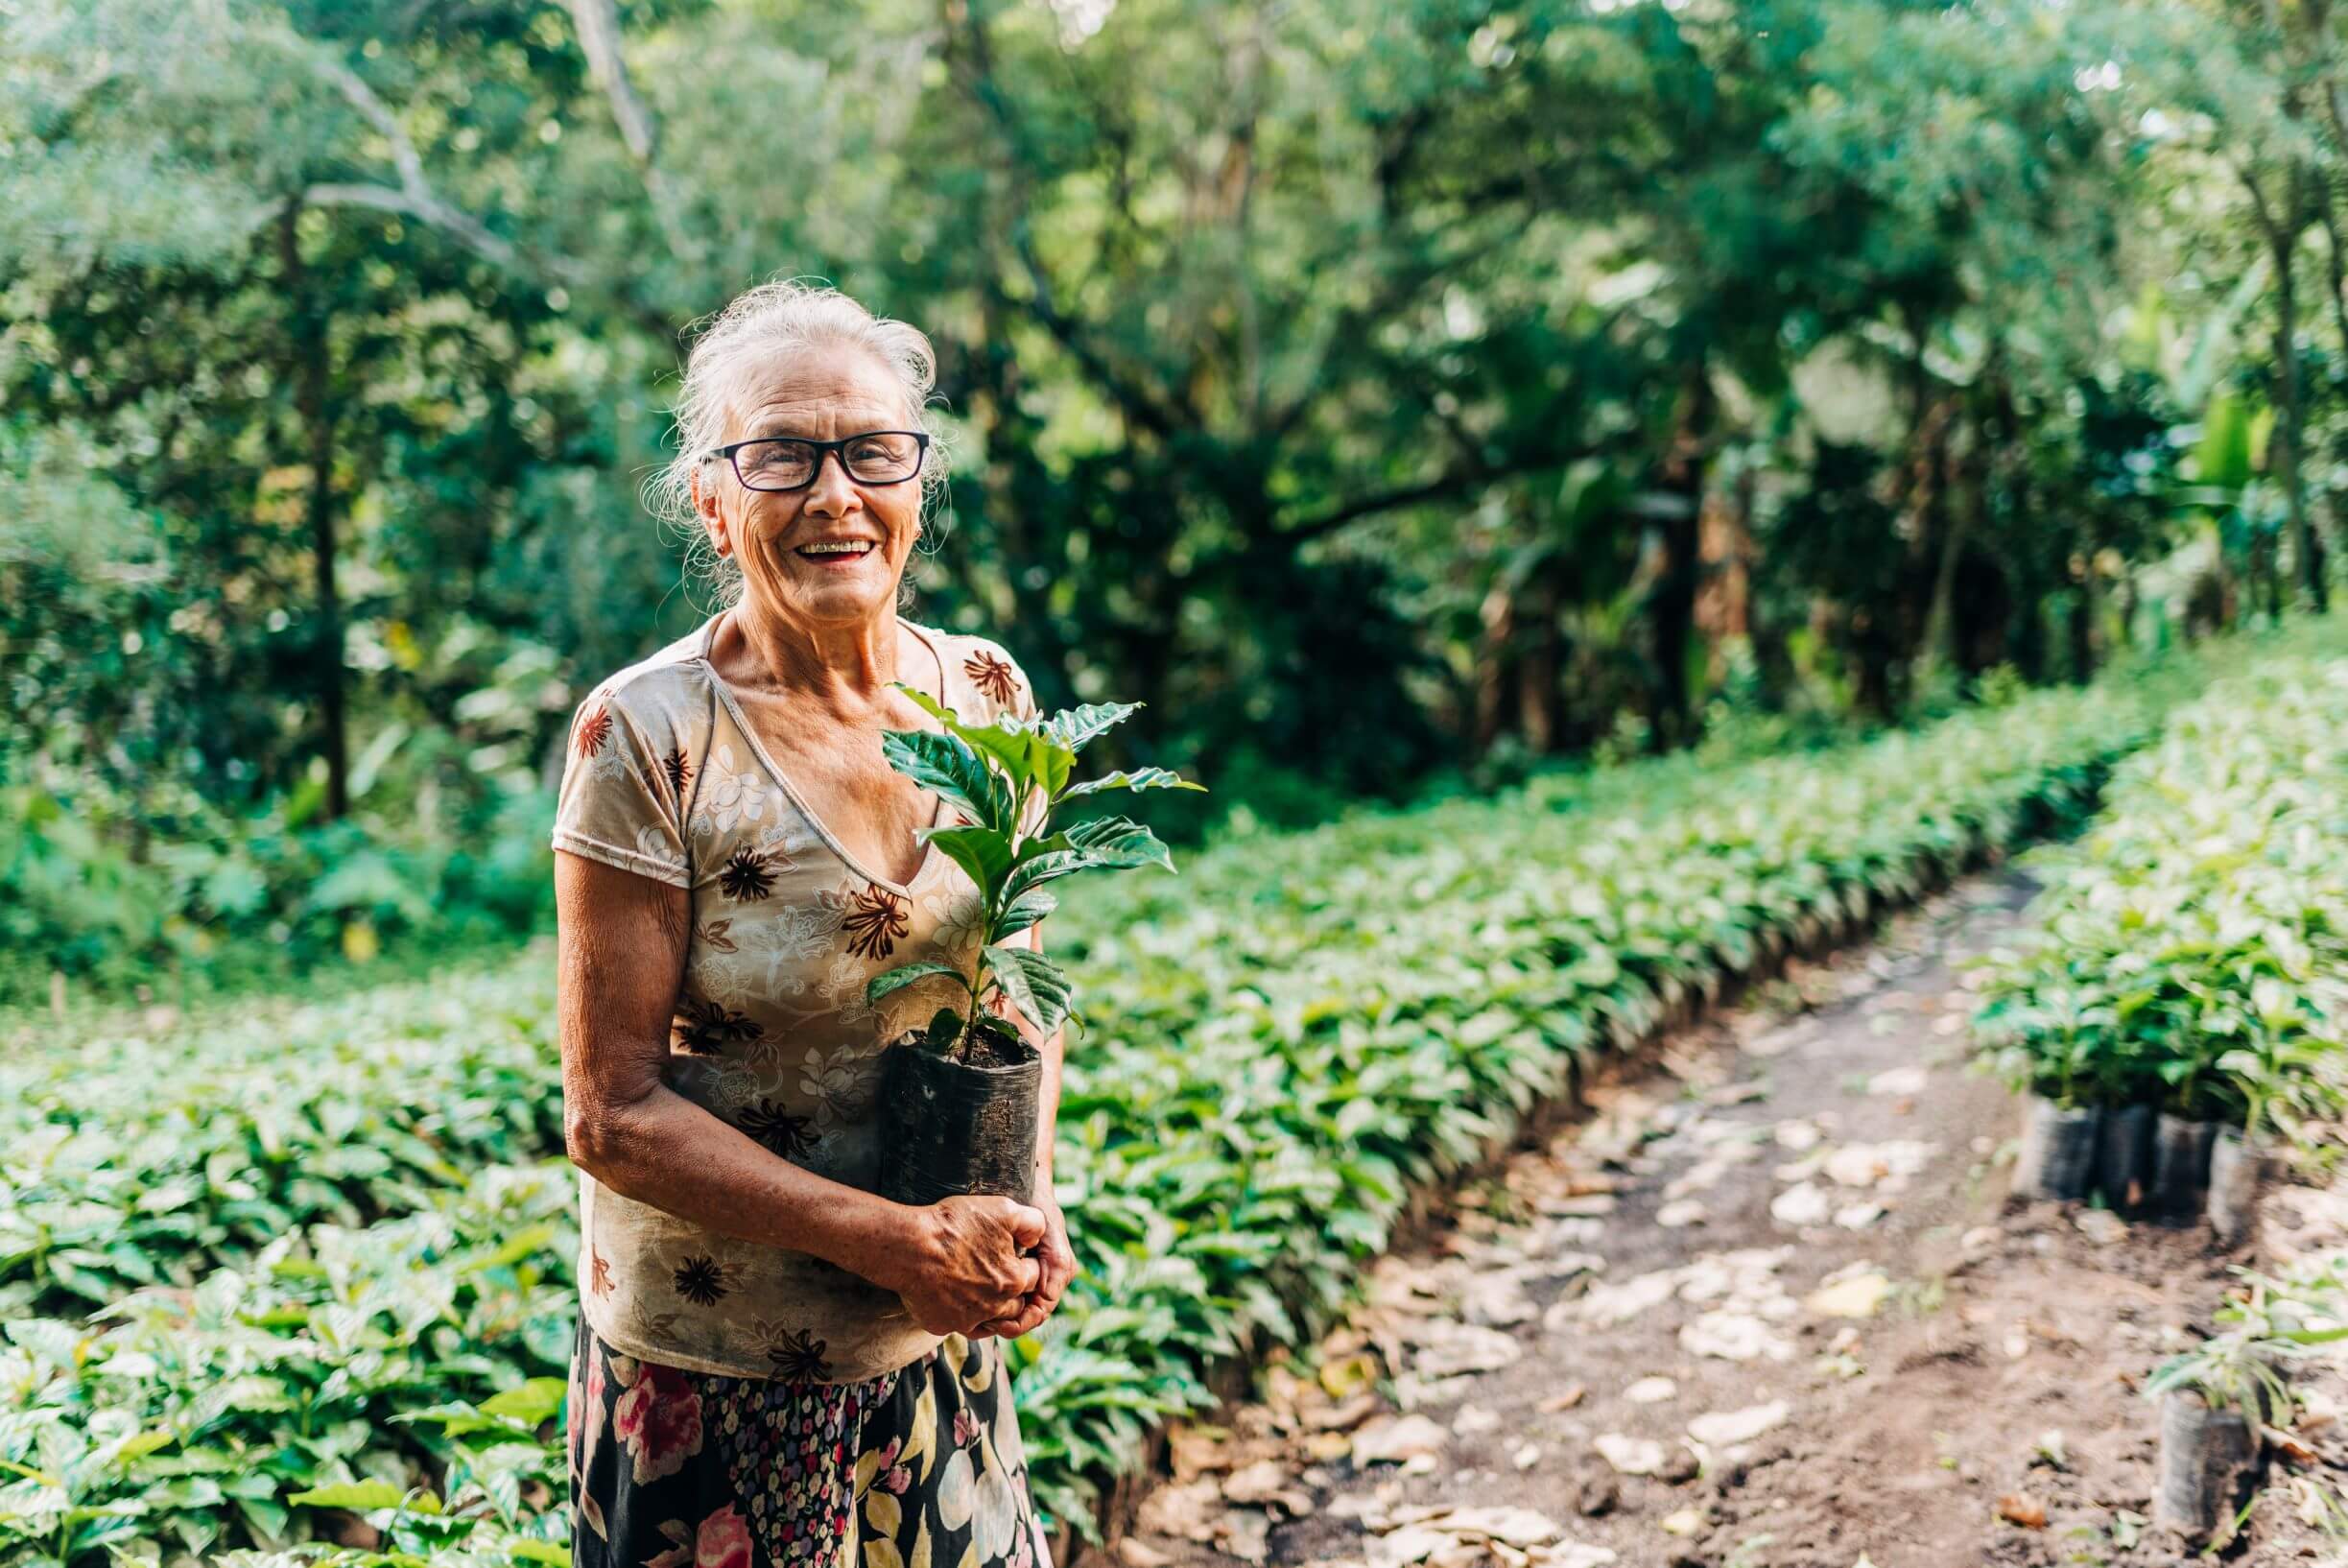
{"type": "Point", "coordinates": [1761, 1310]}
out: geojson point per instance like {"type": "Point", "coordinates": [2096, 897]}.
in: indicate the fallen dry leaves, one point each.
{"type": "Point", "coordinates": [2022, 1508]}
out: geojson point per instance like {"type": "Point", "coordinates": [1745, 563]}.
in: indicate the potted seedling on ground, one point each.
{"type": "Point", "coordinates": [2286, 1072]}
{"type": "Point", "coordinates": [2186, 1126]}
{"type": "Point", "coordinates": [2047, 1043]}
{"type": "Point", "coordinates": [2127, 1087]}
{"type": "Point", "coordinates": [2218, 1399]}
{"type": "Point", "coordinates": [959, 1098]}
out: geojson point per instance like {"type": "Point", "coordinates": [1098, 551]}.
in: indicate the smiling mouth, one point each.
{"type": "Point", "coordinates": [837, 550]}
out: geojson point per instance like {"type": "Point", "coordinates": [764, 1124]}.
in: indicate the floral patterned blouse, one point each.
{"type": "Point", "coordinates": [771, 1033]}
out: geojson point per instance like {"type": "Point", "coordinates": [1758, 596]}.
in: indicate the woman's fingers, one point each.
{"type": "Point", "coordinates": [986, 1279]}
{"type": "Point", "coordinates": [1026, 1320]}
{"type": "Point", "coordinates": [1019, 1281]}
{"type": "Point", "coordinates": [1027, 1224]}
{"type": "Point", "coordinates": [1059, 1267]}
{"type": "Point", "coordinates": [1001, 1317]}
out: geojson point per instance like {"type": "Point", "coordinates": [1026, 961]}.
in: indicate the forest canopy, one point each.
{"type": "Point", "coordinates": [1393, 396]}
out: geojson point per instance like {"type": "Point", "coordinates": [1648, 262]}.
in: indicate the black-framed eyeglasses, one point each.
{"type": "Point", "coordinates": [789, 463]}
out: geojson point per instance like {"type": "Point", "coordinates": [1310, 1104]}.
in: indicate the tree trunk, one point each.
{"type": "Point", "coordinates": [1724, 552]}
{"type": "Point", "coordinates": [1939, 640]}
{"type": "Point", "coordinates": [1927, 506]}
{"type": "Point", "coordinates": [1536, 667]}
{"type": "Point", "coordinates": [2290, 423]}
{"type": "Point", "coordinates": [313, 411]}
{"type": "Point", "coordinates": [2337, 262]}
{"type": "Point", "coordinates": [1672, 602]}
{"type": "Point", "coordinates": [1970, 475]}
{"type": "Point", "coordinates": [1493, 657]}
{"type": "Point", "coordinates": [2082, 630]}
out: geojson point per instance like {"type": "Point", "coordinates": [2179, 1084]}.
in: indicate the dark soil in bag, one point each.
{"type": "Point", "coordinates": [2208, 1460]}
{"type": "Point", "coordinates": [950, 1128]}
{"type": "Point", "coordinates": [2059, 1150]}
{"type": "Point", "coordinates": [2180, 1166]}
{"type": "Point", "coordinates": [2237, 1167]}
{"type": "Point", "coordinates": [2123, 1163]}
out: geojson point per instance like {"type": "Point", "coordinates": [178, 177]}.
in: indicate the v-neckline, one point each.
{"type": "Point", "coordinates": [791, 791]}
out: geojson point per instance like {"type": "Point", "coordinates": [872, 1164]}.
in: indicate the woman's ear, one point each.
{"type": "Point", "coordinates": [705, 507]}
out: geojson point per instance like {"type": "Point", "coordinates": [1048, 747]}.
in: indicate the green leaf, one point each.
{"type": "Point", "coordinates": [1037, 986]}
{"type": "Point", "coordinates": [1005, 740]}
{"type": "Point", "coordinates": [904, 975]}
{"type": "Point", "coordinates": [518, 1245]}
{"type": "Point", "coordinates": [143, 1443]}
{"type": "Point", "coordinates": [265, 1516]}
{"type": "Point", "coordinates": [1075, 727]}
{"type": "Point", "coordinates": [540, 1552]}
{"type": "Point", "coordinates": [1105, 844]}
{"type": "Point", "coordinates": [1025, 911]}
{"type": "Point", "coordinates": [1050, 763]}
{"type": "Point", "coordinates": [1119, 842]}
{"type": "Point", "coordinates": [1032, 872]}
{"type": "Point", "coordinates": [948, 766]}
{"type": "Point", "coordinates": [358, 1496]}
{"type": "Point", "coordinates": [1010, 746]}
{"type": "Point", "coordinates": [982, 851]}
{"type": "Point", "coordinates": [531, 1402]}
{"type": "Point", "coordinates": [1140, 779]}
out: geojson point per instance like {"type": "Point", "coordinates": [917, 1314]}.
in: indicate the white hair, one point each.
{"type": "Point", "coordinates": [739, 342]}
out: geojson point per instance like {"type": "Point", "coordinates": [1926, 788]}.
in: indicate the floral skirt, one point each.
{"type": "Point", "coordinates": [919, 1468]}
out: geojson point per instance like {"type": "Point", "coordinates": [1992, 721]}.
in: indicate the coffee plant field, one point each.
{"type": "Point", "coordinates": [295, 1281]}
{"type": "Point", "coordinates": [2191, 950]}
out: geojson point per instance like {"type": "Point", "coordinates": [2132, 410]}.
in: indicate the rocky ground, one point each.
{"type": "Point", "coordinates": [1763, 1307]}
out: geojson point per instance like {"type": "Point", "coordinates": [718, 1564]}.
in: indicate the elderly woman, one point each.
{"type": "Point", "coordinates": [774, 1365]}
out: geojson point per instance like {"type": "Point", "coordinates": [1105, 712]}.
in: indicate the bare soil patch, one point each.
{"type": "Point", "coordinates": [1766, 1306]}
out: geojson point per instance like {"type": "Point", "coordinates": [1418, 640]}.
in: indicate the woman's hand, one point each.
{"type": "Point", "coordinates": [1058, 1262]}
{"type": "Point", "coordinates": [963, 1264]}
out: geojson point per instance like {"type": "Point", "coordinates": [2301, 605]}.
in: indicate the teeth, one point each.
{"type": "Point", "coordinates": [840, 547]}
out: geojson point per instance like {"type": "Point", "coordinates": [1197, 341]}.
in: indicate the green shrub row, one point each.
{"type": "Point", "coordinates": [1297, 1041]}
{"type": "Point", "coordinates": [2191, 951]}
{"type": "Point", "coordinates": [1293, 1035]}
{"type": "Point", "coordinates": [213, 902]}
{"type": "Point", "coordinates": [337, 1368]}
{"type": "Point", "coordinates": [154, 1159]}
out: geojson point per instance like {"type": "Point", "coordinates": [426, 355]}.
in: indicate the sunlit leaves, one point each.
{"type": "Point", "coordinates": [1015, 760]}
{"type": "Point", "coordinates": [1005, 743]}
{"type": "Point", "coordinates": [947, 766]}
{"type": "Point", "coordinates": [2188, 949]}
{"type": "Point", "coordinates": [1037, 986]}
{"type": "Point", "coordinates": [1140, 779]}
{"type": "Point", "coordinates": [904, 975]}
{"type": "Point", "coordinates": [1286, 1041]}
{"type": "Point", "coordinates": [982, 851]}
{"type": "Point", "coordinates": [1079, 727]}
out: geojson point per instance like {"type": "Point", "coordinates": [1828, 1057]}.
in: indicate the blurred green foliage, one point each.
{"type": "Point", "coordinates": [335, 1270]}
{"type": "Point", "coordinates": [1397, 396]}
{"type": "Point", "coordinates": [2189, 951]}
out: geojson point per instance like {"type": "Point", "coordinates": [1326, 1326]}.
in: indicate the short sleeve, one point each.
{"type": "Point", "coordinates": [1031, 818]}
{"type": "Point", "coordinates": [1023, 699]}
{"type": "Point", "coordinates": [1004, 685]}
{"type": "Point", "coordinates": [619, 802]}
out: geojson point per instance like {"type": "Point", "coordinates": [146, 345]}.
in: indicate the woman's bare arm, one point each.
{"type": "Point", "coordinates": [621, 943]}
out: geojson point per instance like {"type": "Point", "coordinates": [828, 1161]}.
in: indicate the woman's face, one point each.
{"type": "Point", "coordinates": [822, 394]}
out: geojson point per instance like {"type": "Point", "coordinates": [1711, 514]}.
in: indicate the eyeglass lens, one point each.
{"type": "Point", "coordinates": [880, 458]}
